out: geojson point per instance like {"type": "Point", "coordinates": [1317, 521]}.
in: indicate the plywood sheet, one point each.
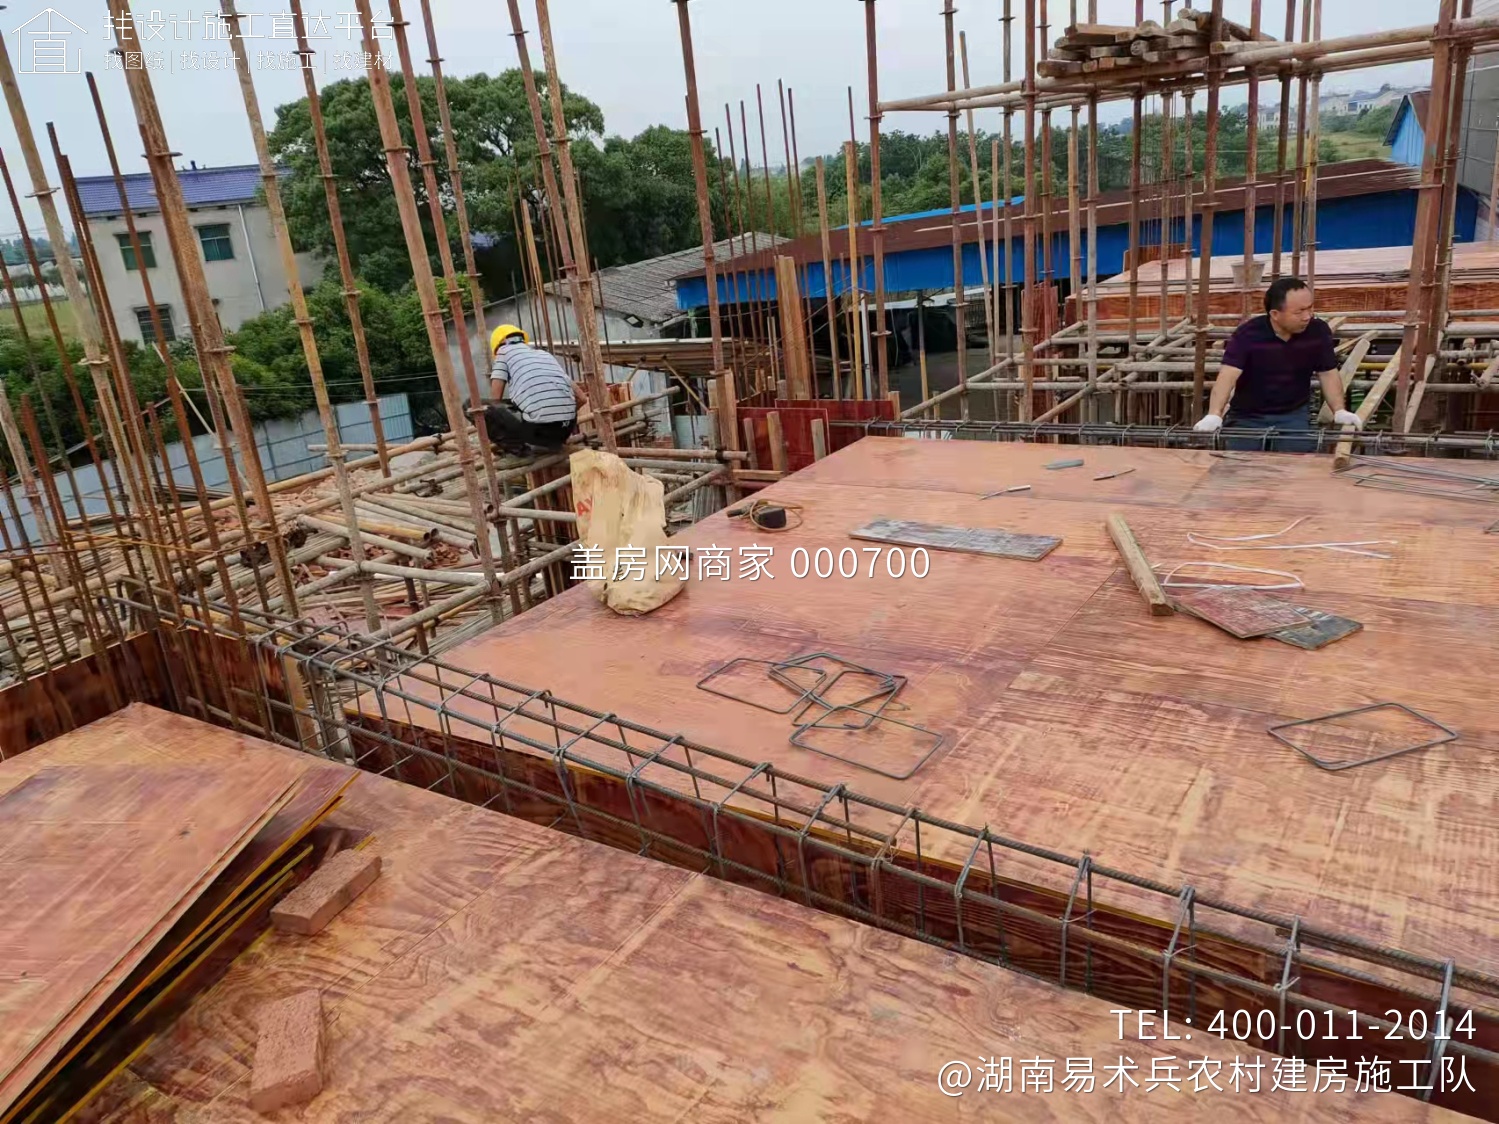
{"type": "Point", "coordinates": [1075, 721]}
{"type": "Point", "coordinates": [559, 980]}
{"type": "Point", "coordinates": [155, 839]}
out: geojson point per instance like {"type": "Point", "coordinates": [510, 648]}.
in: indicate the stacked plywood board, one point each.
{"type": "Point", "coordinates": [1087, 48]}
{"type": "Point", "coordinates": [138, 855]}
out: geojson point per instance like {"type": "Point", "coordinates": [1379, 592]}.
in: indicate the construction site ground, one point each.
{"type": "Point", "coordinates": [1073, 720]}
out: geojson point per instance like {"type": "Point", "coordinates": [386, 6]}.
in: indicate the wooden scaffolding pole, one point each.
{"type": "Point", "coordinates": [1209, 211]}
{"type": "Point", "coordinates": [271, 185]}
{"type": "Point", "coordinates": [562, 199]}
{"type": "Point", "coordinates": [416, 250]}
{"type": "Point", "coordinates": [1428, 206]}
{"type": "Point", "coordinates": [877, 223]}
{"type": "Point", "coordinates": [726, 404]}
{"type": "Point", "coordinates": [955, 199]}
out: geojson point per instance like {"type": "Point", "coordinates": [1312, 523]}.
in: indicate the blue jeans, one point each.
{"type": "Point", "coordinates": [1297, 421]}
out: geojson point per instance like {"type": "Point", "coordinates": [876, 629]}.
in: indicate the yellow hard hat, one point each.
{"type": "Point", "coordinates": [503, 333]}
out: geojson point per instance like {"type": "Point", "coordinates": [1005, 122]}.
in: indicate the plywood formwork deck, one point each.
{"type": "Point", "coordinates": [1347, 281]}
{"type": "Point", "coordinates": [1073, 719]}
{"type": "Point", "coordinates": [499, 971]}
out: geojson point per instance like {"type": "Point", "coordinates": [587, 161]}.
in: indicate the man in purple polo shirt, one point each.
{"type": "Point", "coordinates": [1267, 372]}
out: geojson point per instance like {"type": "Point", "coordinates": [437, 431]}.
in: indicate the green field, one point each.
{"type": "Point", "coordinates": [36, 319]}
{"type": "Point", "coordinates": [1355, 146]}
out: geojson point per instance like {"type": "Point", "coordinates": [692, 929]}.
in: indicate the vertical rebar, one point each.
{"type": "Point", "coordinates": [877, 222]}
{"type": "Point", "coordinates": [728, 415]}
{"type": "Point", "coordinates": [562, 200]}
{"type": "Point", "coordinates": [349, 284]}
{"type": "Point", "coordinates": [978, 215]}
{"type": "Point", "coordinates": [213, 352]}
{"type": "Point", "coordinates": [960, 296]}
{"type": "Point", "coordinates": [827, 270]}
{"type": "Point", "coordinates": [1251, 160]}
{"type": "Point", "coordinates": [1279, 218]}
{"type": "Point", "coordinates": [271, 186]}
{"type": "Point", "coordinates": [1209, 210]}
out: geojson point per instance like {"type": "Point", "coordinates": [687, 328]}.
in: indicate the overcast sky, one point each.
{"type": "Point", "coordinates": [623, 54]}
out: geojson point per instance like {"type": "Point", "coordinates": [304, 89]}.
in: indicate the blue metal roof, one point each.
{"type": "Point", "coordinates": [1383, 218]}
{"type": "Point", "coordinates": [201, 187]}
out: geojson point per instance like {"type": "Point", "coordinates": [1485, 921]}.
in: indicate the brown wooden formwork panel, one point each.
{"type": "Point", "coordinates": [77, 693]}
{"type": "Point", "coordinates": [500, 972]}
{"type": "Point", "coordinates": [826, 872]}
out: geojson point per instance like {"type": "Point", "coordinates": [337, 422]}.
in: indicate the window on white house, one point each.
{"type": "Point", "coordinates": [148, 331]}
{"type": "Point", "coordinates": [215, 240]}
{"type": "Point", "coordinates": [127, 251]}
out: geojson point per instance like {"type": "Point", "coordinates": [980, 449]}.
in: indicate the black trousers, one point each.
{"type": "Point", "coordinates": [508, 429]}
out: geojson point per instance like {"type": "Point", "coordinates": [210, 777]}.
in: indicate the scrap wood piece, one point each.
{"type": "Point", "coordinates": [1241, 612]}
{"type": "Point", "coordinates": [309, 908]}
{"type": "Point", "coordinates": [963, 540]}
{"type": "Point", "coordinates": [1093, 35]}
{"type": "Point", "coordinates": [1074, 462]}
{"type": "Point", "coordinates": [289, 1052]}
{"type": "Point", "coordinates": [1139, 567]}
{"type": "Point", "coordinates": [1321, 630]}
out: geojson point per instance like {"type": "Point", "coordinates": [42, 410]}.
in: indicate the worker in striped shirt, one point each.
{"type": "Point", "coordinates": [533, 403]}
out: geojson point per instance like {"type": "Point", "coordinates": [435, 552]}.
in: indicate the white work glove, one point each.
{"type": "Point", "coordinates": [1211, 423]}
{"type": "Point", "coordinates": [1346, 417]}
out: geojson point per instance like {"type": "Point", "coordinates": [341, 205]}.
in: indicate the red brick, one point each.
{"type": "Point", "coordinates": [308, 908]}
{"type": "Point", "coordinates": [288, 1052]}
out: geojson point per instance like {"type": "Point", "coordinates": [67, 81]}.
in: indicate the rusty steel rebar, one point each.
{"type": "Point", "coordinates": [562, 200]}
{"type": "Point", "coordinates": [348, 282]}
{"type": "Point", "coordinates": [727, 420]}
{"type": "Point", "coordinates": [877, 220]}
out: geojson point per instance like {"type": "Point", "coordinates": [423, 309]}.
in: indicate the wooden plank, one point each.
{"type": "Point", "coordinates": [793, 329]}
{"type": "Point", "coordinates": [1242, 613]}
{"type": "Point", "coordinates": [1365, 411]}
{"type": "Point", "coordinates": [1138, 566]}
{"type": "Point", "coordinates": [963, 540]}
{"type": "Point", "coordinates": [1348, 370]}
{"type": "Point", "coordinates": [777, 441]}
{"type": "Point", "coordinates": [819, 439]}
{"type": "Point", "coordinates": [1093, 34]}
{"type": "Point", "coordinates": [156, 838]}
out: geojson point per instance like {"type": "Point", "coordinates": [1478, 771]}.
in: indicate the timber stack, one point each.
{"type": "Point", "coordinates": [1087, 48]}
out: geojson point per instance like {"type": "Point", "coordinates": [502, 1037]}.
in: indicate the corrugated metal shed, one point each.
{"type": "Point", "coordinates": [1406, 135]}
{"type": "Point", "coordinates": [1361, 204]}
{"type": "Point", "coordinates": [201, 187]}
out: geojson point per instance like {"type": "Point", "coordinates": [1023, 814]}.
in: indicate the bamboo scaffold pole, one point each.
{"type": "Point", "coordinates": [1446, 226]}
{"type": "Point", "coordinates": [727, 398]}
{"type": "Point", "coordinates": [270, 184]}
{"type": "Point", "coordinates": [28, 247]}
{"type": "Point", "coordinates": [1313, 155]}
{"type": "Point", "coordinates": [827, 269]}
{"type": "Point", "coordinates": [985, 276]}
{"type": "Point", "coordinates": [878, 333]}
{"type": "Point", "coordinates": [1428, 204]}
{"type": "Point", "coordinates": [562, 199]}
{"type": "Point", "coordinates": [1209, 209]}
{"type": "Point", "coordinates": [208, 334]}
{"type": "Point", "coordinates": [1091, 408]}
{"type": "Point", "coordinates": [1298, 187]}
{"type": "Point", "coordinates": [960, 296]}
{"type": "Point", "coordinates": [856, 382]}
{"type": "Point", "coordinates": [149, 515]}
{"type": "Point", "coordinates": [1027, 301]}
{"type": "Point", "coordinates": [455, 181]}
{"type": "Point", "coordinates": [1251, 160]}
{"type": "Point", "coordinates": [451, 287]}
{"type": "Point", "coordinates": [1282, 144]}
{"type": "Point", "coordinates": [416, 249]}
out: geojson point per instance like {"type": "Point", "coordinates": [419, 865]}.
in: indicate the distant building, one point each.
{"type": "Point", "coordinates": [234, 238]}
{"type": "Point", "coordinates": [1406, 135]}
